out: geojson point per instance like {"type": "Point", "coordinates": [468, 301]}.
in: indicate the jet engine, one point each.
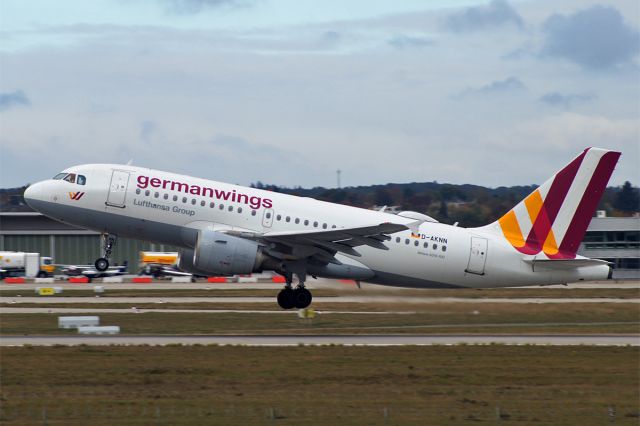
{"type": "Point", "coordinates": [220, 254]}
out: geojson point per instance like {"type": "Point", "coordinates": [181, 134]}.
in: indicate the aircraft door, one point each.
{"type": "Point", "coordinates": [118, 188]}
{"type": "Point", "coordinates": [267, 218]}
{"type": "Point", "coordinates": [477, 256]}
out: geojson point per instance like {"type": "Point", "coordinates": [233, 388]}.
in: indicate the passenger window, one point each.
{"type": "Point", "coordinates": [202, 203]}
{"type": "Point", "coordinates": [397, 239]}
{"type": "Point", "coordinates": [435, 247]}
{"type": "Point", "coordinates": [184, 199]}
{"type": "Point", "coordinates": [71, 178]}
{"type": "Point", "coordinates": [315, 224]}
{"type": "Point", "coordinates": [333, 227]}
{"type": "Point", "coordinates": [230, 208]}
{"type": "Point", "coordinates": [212, 205]}
{"type": "Point", "coordinates": [288, 219]}
{"type": "Point", "coordinates": [297, 220]}
{"type": "Point", "coordinates": [175, 198]}
{"type": "Point", "coordinates": [147, 192]}
{"type": "Point", "coordinates": [324, 226]}
{"type": "Point", "coordinates": [406, 241]}
{"type": "Point", "coordinates": [426, 245]}
{"type": "Point", "coordinates": [306, 222]}
{"type": "Point", "coordinates": [239, 209]}
{"type": "Point", "coordinates": [444, 248]}
{"type": "Point", "coordinates": [166, 196]}
{"type": "Point", "coordinates": [221, 206]}
{"type": "Point", "coordinates": [268, 215]}
{"type": "Point", "coordinates": [157, 194]}
{"type": "Point", "coordinates": [81, 180]}
{"type": "Point", "coordinates": [193, 201]}
{"type": "Point", "coordinates": [138, 191]}
{"type": "Point", "coordinates": [416, 243]}
{"type": "Point", "coordinates": [278, 217]}
{"type": "Point", "coordinates": [253, 212]}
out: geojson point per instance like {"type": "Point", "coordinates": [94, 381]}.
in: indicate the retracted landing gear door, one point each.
{"type": "Point", "coordinates": [118, 188]}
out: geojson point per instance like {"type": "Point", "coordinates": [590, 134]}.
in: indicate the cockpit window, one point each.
{"type": "Point", "coordinates": [59, 176]}
{"type": "Point", "coordinates": [71, 178]}
{"type": "Point", "coordinates": [81, 180]}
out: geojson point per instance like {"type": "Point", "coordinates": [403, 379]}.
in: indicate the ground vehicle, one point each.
{"type": "Point", "coordinates": [161, 264]}
{"type": "Point", "coordinates": [17, 263]}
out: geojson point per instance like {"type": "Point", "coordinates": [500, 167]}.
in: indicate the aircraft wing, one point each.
{"type": "Point", "coordinates": [324, 244]}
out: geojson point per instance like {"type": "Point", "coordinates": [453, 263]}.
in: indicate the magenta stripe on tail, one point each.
{"type": "Point", "coordinates": [588, 204]}
{"type": "Point", "coordinates": [552, 203]}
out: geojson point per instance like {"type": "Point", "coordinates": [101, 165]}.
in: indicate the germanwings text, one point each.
{"type": "Point", "coordinates": [233, 196]}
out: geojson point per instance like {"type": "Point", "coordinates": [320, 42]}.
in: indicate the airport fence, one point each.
{"type": "Point", "coordinates": [123, 414]}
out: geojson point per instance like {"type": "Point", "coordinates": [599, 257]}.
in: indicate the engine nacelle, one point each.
{"type": "Point", "coordinates": [220, 254]}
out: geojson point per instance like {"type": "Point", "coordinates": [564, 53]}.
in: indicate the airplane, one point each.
{"type": "Point", "coordinates": [226, 229]}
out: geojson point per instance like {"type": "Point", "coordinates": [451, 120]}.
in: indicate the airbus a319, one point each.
{"type": "Point", "coordinates": [226, 229]}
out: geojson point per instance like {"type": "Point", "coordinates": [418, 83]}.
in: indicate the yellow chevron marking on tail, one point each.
{"type": "Point", "coordinates": [534, 204]}
{"type": "Point", "coordinates": [511, 229]}
{"type": "Point", "coordinates": [550, 246]}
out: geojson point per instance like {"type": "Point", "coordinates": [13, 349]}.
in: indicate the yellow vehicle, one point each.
{"type": "Point", "coordinates": [17, 263]}
{"type": "Point", "coordinates": [158, 258]}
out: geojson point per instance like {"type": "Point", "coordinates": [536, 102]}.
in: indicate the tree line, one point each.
{"type": "Point", "coordinates": [470, 205]}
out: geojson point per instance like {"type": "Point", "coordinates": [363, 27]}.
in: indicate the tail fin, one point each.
{"type": "Point", "coordinates": [554, 218]}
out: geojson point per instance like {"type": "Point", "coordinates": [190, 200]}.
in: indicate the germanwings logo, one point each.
{"type": "Point", "coordinates": [76, 195]}
{"type": "Point", "coordinates": [554, 218]}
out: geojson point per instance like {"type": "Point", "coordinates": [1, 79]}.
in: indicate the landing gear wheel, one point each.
{"type": "Point", "coordinates": [302, 298]}
{"type": "Point", "coordinates": [285, 298]}
{"type": "Point", "coordinates": [102, 264]}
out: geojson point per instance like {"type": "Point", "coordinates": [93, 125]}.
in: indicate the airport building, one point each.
{"type": "Point", "coordinates": [66, 244]}
{"type": "Point", "coordinates": [615, 239]}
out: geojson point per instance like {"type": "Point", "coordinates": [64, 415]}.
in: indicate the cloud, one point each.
{"type": "Point", "coordinates": [565, 101]}
{"type": "Point", "coordinates": [496, 13]}
{"type": "Point", "coordinates": [10, 100]}
{"type": "Point", "coordinates": [197, 6]}
{"type": "Point", "coordinates": [408, 42]}
{"type": "Point", "coordinates": [147, 130]}
{"type": "Point", "coordinates": [596, 38]}
{"type": "Point", "coordinates": [510, 84]}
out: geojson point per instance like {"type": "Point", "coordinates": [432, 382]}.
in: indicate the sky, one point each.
{"type": "Point", "coordinates": [494, 93]}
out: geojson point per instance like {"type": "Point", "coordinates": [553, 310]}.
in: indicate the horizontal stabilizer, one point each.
{"type": "Point", "coordinates": [563, 264]}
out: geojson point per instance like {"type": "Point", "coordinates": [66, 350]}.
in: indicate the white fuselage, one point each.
{"type": "Point", "coordinates": [169, 208]}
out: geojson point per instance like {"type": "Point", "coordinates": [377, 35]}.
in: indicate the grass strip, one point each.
{"type": "Point", "coordinates": [319, 385]}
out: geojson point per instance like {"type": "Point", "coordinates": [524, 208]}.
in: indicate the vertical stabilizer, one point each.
{"type": "Point", "coordinates": [554, 218]}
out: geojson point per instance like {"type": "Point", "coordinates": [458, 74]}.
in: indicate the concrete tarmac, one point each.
{"type": "Point", "coordinates": [312, 284]}
{"type": "Point", "coordinates": [337, 299]}
{"type": "Point", "coordinates": [347, 340]}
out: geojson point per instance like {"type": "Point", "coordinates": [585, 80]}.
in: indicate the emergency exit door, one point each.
{"type": "Point", "coordinates": [477, 256]}
{"type": "Point", "coordinates": [118, 188]}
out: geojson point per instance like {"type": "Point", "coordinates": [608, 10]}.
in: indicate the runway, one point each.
{"type": "Point", "coordinates": [336, 299]}
{"type": "Point", "coordinates": [346, 340]}
{"type": "Point", "coordinates": [312, 284]}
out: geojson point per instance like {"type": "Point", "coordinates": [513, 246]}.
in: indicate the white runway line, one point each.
{"type": "Point", "coordinates": [349, 340]}
{"type": "Point", "coordinates": [336, 299]}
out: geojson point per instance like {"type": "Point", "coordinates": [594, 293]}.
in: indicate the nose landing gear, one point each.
{"type": "Point", "coordinates": [108, 241]}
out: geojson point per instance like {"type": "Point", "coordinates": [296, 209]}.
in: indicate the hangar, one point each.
{"type": "Point", "coordinates": [66, 244]}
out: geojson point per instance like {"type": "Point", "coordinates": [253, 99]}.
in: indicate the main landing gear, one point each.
{"type": "Point", "coordinates": [298, 298]}
{"type": "Point", "coordinates": [108, 241]}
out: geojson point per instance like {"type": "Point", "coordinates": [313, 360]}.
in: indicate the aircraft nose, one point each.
{"type": "Point", "coordinates": [33, 194]}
